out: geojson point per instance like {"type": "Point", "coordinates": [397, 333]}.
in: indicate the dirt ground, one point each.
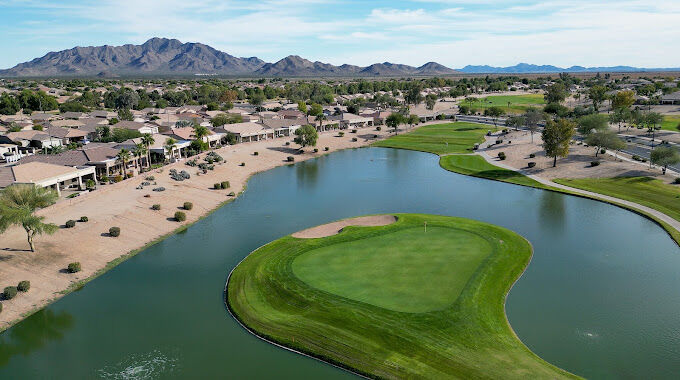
{"type": "Point", "coordinates": [334, 228]}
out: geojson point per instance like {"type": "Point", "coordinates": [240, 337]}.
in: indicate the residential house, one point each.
{"type": "Point", "coordinates": [142, 128]}
{"type": "Point", "coordinates": [47, 175]}
{"type": "Point", "coordinates": [246, 132]}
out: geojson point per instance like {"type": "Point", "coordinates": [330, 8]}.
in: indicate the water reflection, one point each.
{"type": "Point", "coordinates": [34, 333]}
{"type": "Point", "coordinates": [552, 210]}
{"type": "Point", "coordinates": [307, 173]}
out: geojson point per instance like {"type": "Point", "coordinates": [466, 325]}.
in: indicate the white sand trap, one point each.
{"type": "Point", "coordinates": [335, 227]}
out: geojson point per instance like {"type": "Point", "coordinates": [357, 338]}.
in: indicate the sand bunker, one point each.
{"type": "Point", "coordinates": [335, 227]}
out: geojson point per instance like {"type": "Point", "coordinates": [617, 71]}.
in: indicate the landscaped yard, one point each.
{"type": "Point", "coordinates": [646, 191]}
{"type": "Point", "coordinates": [394, 301]}
{"type": "Point", "coordinates": [670, 122]}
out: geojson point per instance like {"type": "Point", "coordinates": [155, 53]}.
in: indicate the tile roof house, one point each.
{"type": "Point", "coordinates": [67, 135]}
{"type": "Point", "coordinates": [46, 175]}
{"type": "Point", "coordinates": [246, 132]}
{"type": "Point", "coordinates": [137, 126]}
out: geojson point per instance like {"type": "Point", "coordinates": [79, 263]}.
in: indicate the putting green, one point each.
{"type": "Point", "coordinates": [408, 270]}
{"type": "Point", "coordinates": [393, 301]}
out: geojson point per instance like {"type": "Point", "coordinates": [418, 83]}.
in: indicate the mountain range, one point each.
{"type": "Point", "coordinates": [162, 56]}
{"type": "Point", "coordinates": [526, 68]}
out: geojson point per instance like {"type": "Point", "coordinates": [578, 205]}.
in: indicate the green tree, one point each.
{"type": "Point", "coordinates": [147, 140]}
{"type": "Point", "coordinates": [430, 101]}
{"type": "Point", "coordinates": [592, 123]}
{"type": "Point", "coordinates": [394, 120]}
{"type": "Point", "coordinates": [125, 114]}
{"type": "Point", "coordinates": [532, 117]}
{"type": "Point", "coordinates": [413, 93]}
{"type": "Point", "coordinates": [200, 132]}
{"type": "Point", "coordinates": [306, 136]}
{"type": "Point", "coordinates": [651, 121]}
{"type": "Point", "coordinates": [623, 99]}
{"type": "Point", "coordinates": [170, 145]}
{"type": "Point", "coordinates": [18, 204]}
{"type": "Point", "coordinates": [494, 113]}
{"type": "Point", "coordinates": [123, 156]}
{"type": "Point", "coordinates": [556, 137]}
{"type": "Point", "coordinates": [664, 156]}
{"type": "Point", "coordinates": [302, 107]}
{"type": "Point", "coordinates": [597, 95]}
{"type": "Point", "coordinates": [9, 104]}
{"type": "Point", "coordinates": [605, 139]}
{"type": "Point", "coordinates": [515, 122]}
{"type": "Point", "coordinates": [620, 115]}
{"type": "Point", "coordinates": [555, 93]}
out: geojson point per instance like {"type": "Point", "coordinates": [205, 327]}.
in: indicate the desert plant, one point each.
{"type": "Point", "coordinates": [354, 139]}
{"type": "Point", "coordinates": [118, 178]}
{"type": "Point", "coordinates": [188, 206]}
{"type": "Point", "coordinates": [594, 163]}
{"type": "Point", "coordinates": [73, 267]}
{"type": "Point", "coordinates": [84, 219]}
{"type": "Point", "coordinates": [501, 156]}
{"type": "Point", "coordinates": [225, 185]}
{"type": "Point", "coordinates": [180, 216]}
{"type": "Point", "coordinates": [150, 178]}
{"type": "Point", "coordinates": [217, 186]}
{"type": "Point", "coordinates": [326, 149]}
{"type": "Point", "coordinates": [256, 153]}
{"type": "Point", "coordinates": [499, 141]}
{"type": "Point", "coordinates": [603, 151]}
{"type": "Point", "coordinates": [341, 134]}
{"type": "Point", "coordinates": [156, 207]}
{"type": "Point", "coordinates": [242, 164]}
{"type": "Point", "coordinates": [316, 150]}
{"type": "Point", "coordinates": [378, 128]}
{"type": "Point", "coordinates": [70, 223]}
{"type": "Point", "coordinates": [532, 155]}
{"type": "Point", "coordinates": [231, 194]}
{"type": "Point", "coordinates": [676, 181]}
{"type": "Point", "coordinates": [9, 292]}
{"type": "Point", "coordinates": [287, 143]}
{"type": "Point", "coordinates": [291, 158]}
{"type": "Point", "coordinates": [531, 164]}
{"type": "Point", "coordinates": [24, 286]}
{"type": "Point", "coordinates": [114, 231]}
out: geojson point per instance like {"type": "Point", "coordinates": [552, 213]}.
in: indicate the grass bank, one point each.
{"type": "Point", "coordinates": [393, 301]}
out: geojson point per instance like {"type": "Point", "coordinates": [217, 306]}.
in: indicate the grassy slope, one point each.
{"type": "Point", "coordinates": [470, 338]}
{"type": "Point", "coordinates": [646, 191]}
{"type": "Point", "coordinates": [670, 123]}
{"type": "Point", "coordinates": [477, 166]}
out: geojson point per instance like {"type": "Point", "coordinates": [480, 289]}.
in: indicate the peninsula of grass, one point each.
{"type": "Point", "coordinates": [394, 301]}
{"type": "Point", "coordinates": [646, 191]}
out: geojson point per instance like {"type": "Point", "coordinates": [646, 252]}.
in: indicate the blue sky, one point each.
{"type": "Point", "coordinates": [454, 33]}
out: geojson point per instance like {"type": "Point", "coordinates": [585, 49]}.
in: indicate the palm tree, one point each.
{"type": "Point", "coordinates": [17, 205]}
{"type": "Point", "coordinates": [123, 155]}
{"type": "Point", "coordinates": [147, 140]}
{"type": "Point", "coordinates": [200, 132]}
{"type": "Point", "coordinates": [170, 144]}
{"type": "Point", "coordinates": [321, 117]}
{"type": "Point", "coordinates": [139, 151]}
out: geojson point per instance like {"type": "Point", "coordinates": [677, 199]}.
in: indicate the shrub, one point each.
{"type": "Point", "coordinates": [242, 164]}
{"type": "Point", "coordinates": [287, 143]}
{"type": "Point", "coordinates": [375, 136]}
{"type": "Point", "coordinates": [341, 134]}
{"type": "Point", "coordinates": [180, 216]}
{"type": "Point", "coordinates": [255, 153]}
{"type": "Point", "coordinates": [378, 128]}
{"type": "Point", "coordinates": [70, 223]}
{"type": "Point", "coordinates": [217, 186]}
{"type": "Point", "coordinates": [499, 141]}
{"type": "Point", "coordinates": [291, 158]}
{"type": "Point", "coordinates": [353, 131]}
{"type": "Point", "coordinates": [105, 179]}
{"type": "Point", "coordinates": [501, 156]}
{"type": "Point", "coordinates": [326, 149]}
{"type": "Point", "coordinates": [676, 180]}
{"type": "Point", "coordinates": [225, 185]}
{"type": "Point", "coordinates": [316, 150]}
{"type": "Point", "coordinates": [24, 286]}
{"type": "Point", "coordinates": [9, 292]}
{"type": "Point", "coordinates": [118, 178]}
{"type": "Point", "coordinates": [150, 178]}
{"type": "Point", "coordinates": [114, 231]}
{"type": "Point", "coordinates": [156, 207]}
{"type": "Point", "coordinates": [531, 164]}
{"type": "Point", "coordinates": [603, 151]}
{"type": "Point", "coordinates": [73, 267]}
{"type": "Point", "coordinates": [188, 206]}
{"type": "Point", "coordinates": [636, 157]}
{"type": "Point", "coordinates": [594, 163]}
{"type": "Point", "coordinates": [354, 139]}
{"type": "Point", "coordinates": [532, 155]}
{"type": "Point", "coordinates": [84, 219]}
{"type": "Point", "coordinates": [231, 194]}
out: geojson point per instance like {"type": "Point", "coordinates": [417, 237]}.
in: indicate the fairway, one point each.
{"type": "Point", "coordinates": [670, 123]}
{"type": "Point", "coordinates": [447, 138]}
{"type": "Point", "coordinates": [393, 301]}
{"type": "Point", "coordinates": [393, 271]}
{"type": "Point", "coordinates": [517, 103]}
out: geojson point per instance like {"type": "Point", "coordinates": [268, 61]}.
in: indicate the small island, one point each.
{"type": "Point", "coordinates": [391, 296]}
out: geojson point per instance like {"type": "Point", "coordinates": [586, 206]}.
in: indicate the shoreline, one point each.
{"type": "Point", "coordinates": [43, 267]}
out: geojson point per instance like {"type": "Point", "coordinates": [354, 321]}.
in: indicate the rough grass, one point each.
{"type": "Point", "coordinates": [439, 138]}
{"type": "Point", "coordinates": [646, 191]}
{"type": "Point", "coordinates": [670, 123]}
{"type": "Point", "coordinates": [469, 337]}
{"type": "Point", "coordinates": [477, 166]}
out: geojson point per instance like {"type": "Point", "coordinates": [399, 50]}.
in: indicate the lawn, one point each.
{"type": "Point", "coordinates": [393, 301]}
{"type": "Point", "coordinates": [518, 103]}
{"type": "Point", "coordinates": [439, 138]}
{"type": "Point", "coordinates": [477, 166]}
{"type": "Point", "coordinates": [646, 191]}
{"type": "Point", "coordinates": [670, 123]}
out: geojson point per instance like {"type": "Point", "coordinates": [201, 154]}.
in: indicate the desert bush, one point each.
{"type": "Point", "coordinates": [73, 267]}
{"type": "Point", "coordinates": [291, 158]}
{"type": "Point", "coordinates": [499, 141]}
{"type": "Point", "coordinates": [354, 139]}
{"type": "Point", "coordinates": [114, 231]}
{"type": "Point", "coordinates": [225, 185]}
{"type": "Point", "coordinates": [231, 194]}
{"type": "Point", "coordinates": [531, 164]}
{"type": "Point", "coordinates": [676, 181]}
{"type": "Point", "coordinates": [150, 178]}
{"type": "Point", "coordinates": [501, 156]}
{"type": "Point", "coordinates": [84, 219]}
{"type": "Point", "coordinates": [180, 216]}
{"type": "Point", "coordinates": [326, 149]}
{"type": "Point", "coordinates": [188, 206]}
{"type": "Point", "coordinates": [594, 163]}
{"type": "Point", "coordinates": [532, 155]}
{"type": "Point", "coordinates": [287, 143]}
{"type": "Point", "coordinates": [9, 292]}
{"type": "Point", "coordinates": [243, 164]}
{"type": "Point", "coordinates": [341, 134]}
{"type": "Point", "coordinates": [156, 207]}
{"type": "Point", "coordinates": [378, 128]}
{"type": "Point", "coordinates": [603, 151]}
{"type": "Point", "coordinates": [118, 178]}
{"type": "Point", "coordinates": [256, 153]}
{"type": "Point", "coordinates": [316, 150]}
{"type": "Point", "coordinates": [24, 286]}
{"type": "Point", "coordinates": [70, 223]}
{"type": "Point", "coordinates": [217, 186]}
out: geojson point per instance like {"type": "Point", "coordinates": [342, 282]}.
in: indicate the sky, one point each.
{"type": "Point", "coordinates": [453, 33]}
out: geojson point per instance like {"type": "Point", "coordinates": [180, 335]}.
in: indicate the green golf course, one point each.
{"type": "Point", "coordinates": [422, 297]}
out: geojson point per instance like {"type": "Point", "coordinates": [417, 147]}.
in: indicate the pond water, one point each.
{"type": "Point", "coordinates": [600, 297]}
